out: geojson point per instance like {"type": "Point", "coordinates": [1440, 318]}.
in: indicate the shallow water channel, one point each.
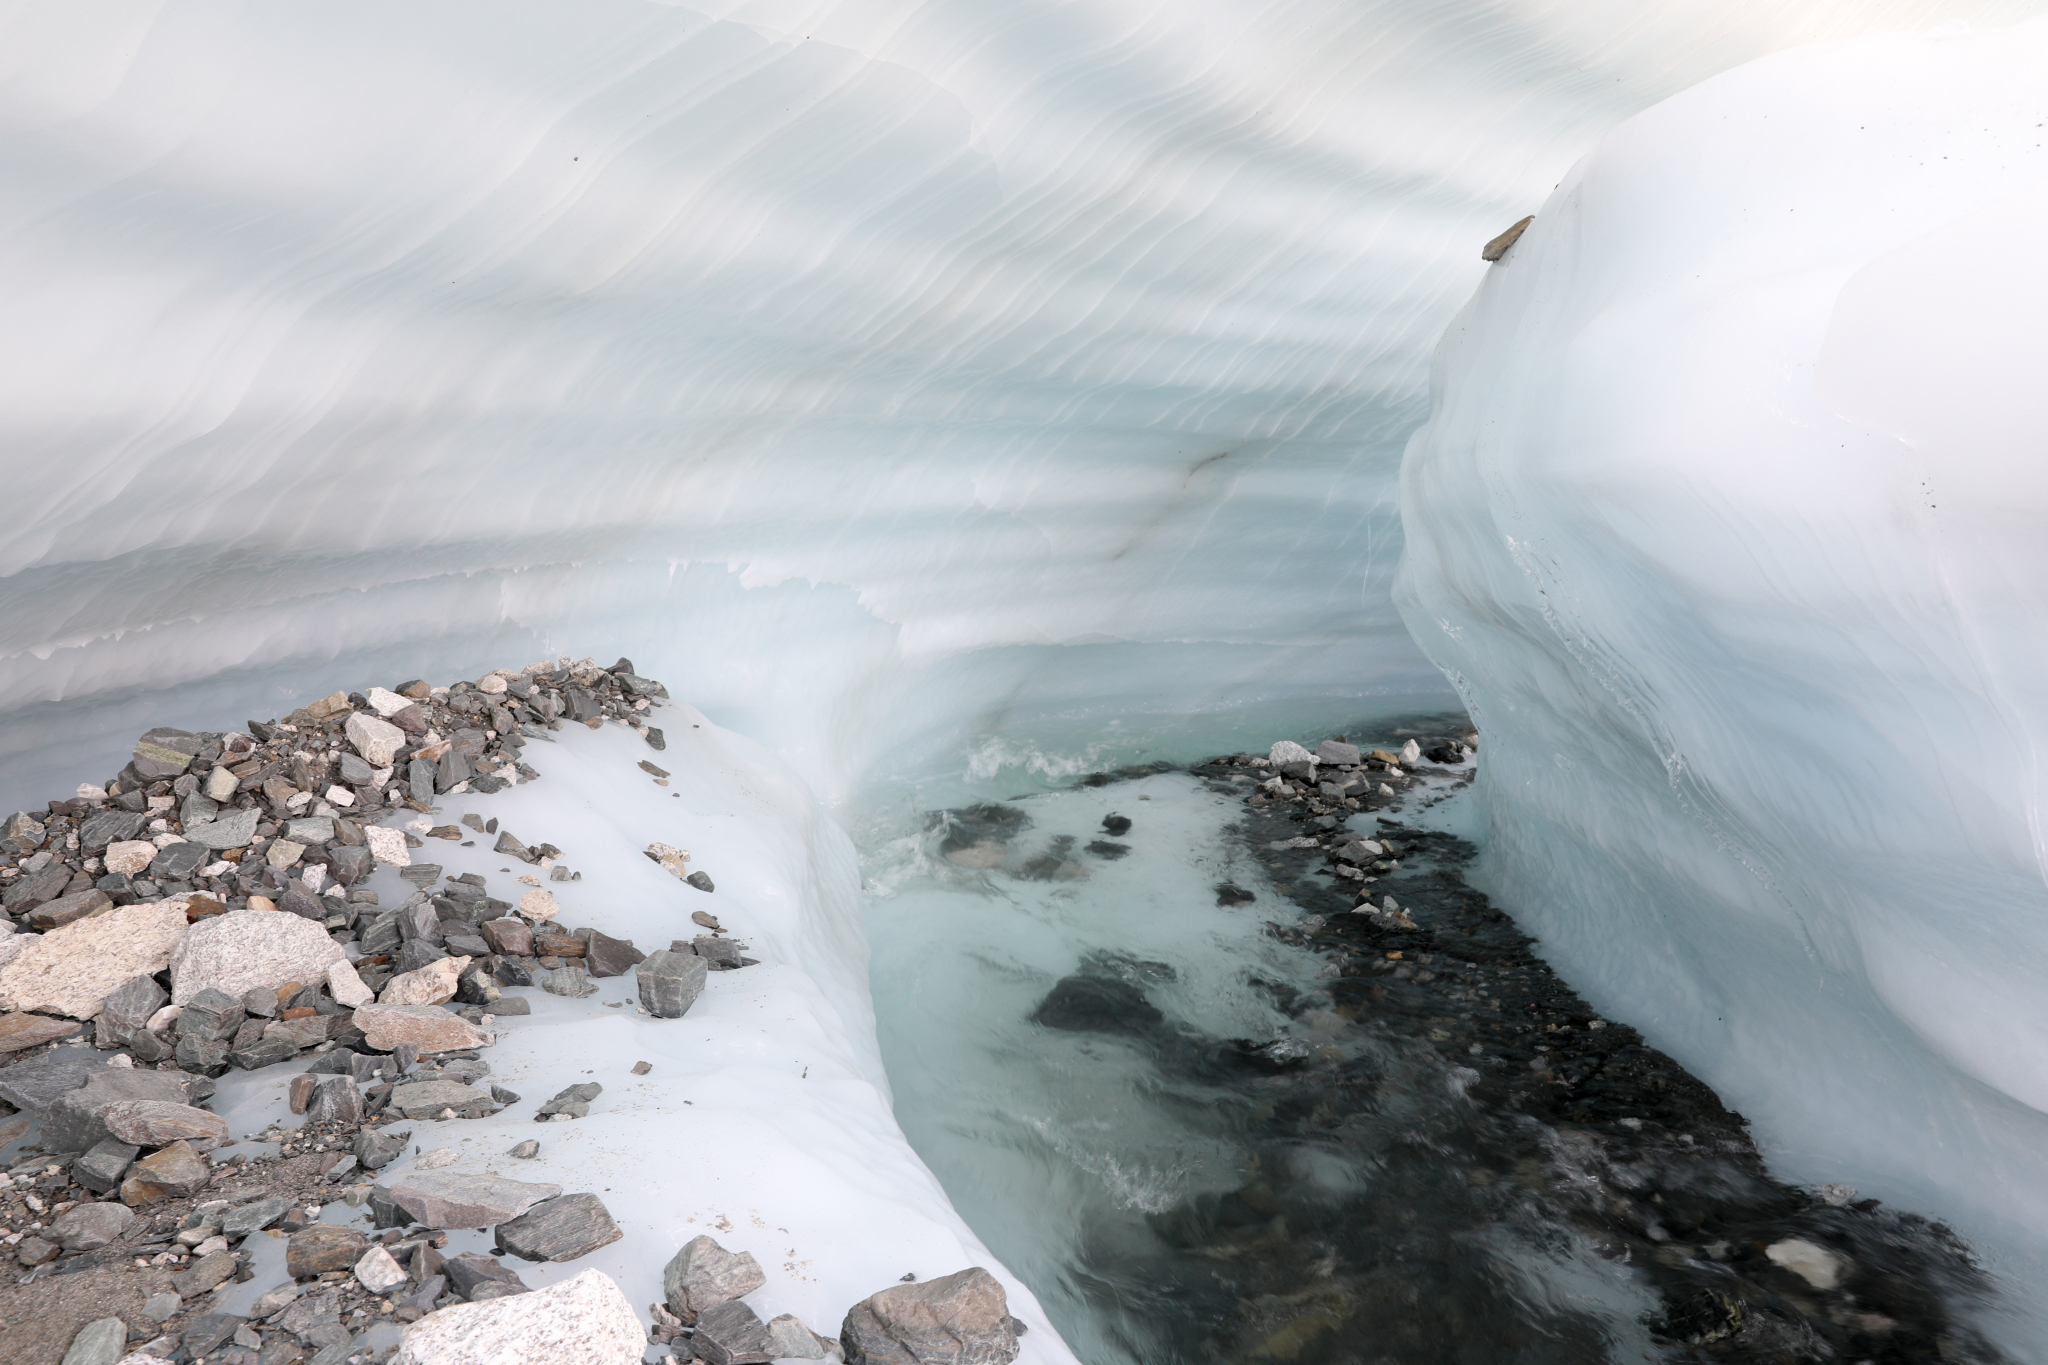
{"type": "Point", "coordinates": [1209, 1114]}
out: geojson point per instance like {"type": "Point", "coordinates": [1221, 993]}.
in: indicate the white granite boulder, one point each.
{"type": "Point", "coordinates": [72, 970]}
{"type": "Point", "coordinates": [584, 1320]}
{"type": "Point", "coordinates": [243, 949]}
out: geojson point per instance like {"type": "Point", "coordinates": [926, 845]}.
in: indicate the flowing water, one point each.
{"type": "Point", "coordinates": [1207, 1113]}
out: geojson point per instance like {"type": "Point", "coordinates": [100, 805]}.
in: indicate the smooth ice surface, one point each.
{"type": "Point", "coordinates": [765, 1120]}
{"type": "Point", "coordinates": [1727, 521]}
{"type": "Point", "coordinates": [892, 377]}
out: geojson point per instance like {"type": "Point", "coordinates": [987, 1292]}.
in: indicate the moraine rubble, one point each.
{"type": "Point", "coordinates": [206, 912]}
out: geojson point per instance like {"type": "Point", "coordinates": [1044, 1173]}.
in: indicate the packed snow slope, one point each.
{"type": "Point", "coordinates": [1728, 523]}
{"type": "Point", "coordinates": [892, 377]}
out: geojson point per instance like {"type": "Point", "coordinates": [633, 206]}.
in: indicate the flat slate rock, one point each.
{"type": "Point", "coordinates": [559, 1229]}
{"type": "Point", "coordinates": [34, 1082]}
{"type": "Point", "coordinates": [457, 1199]}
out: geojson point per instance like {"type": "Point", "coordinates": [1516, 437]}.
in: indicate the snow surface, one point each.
{"type": "Point", "coordinates": [766, 1118]}
{"type": "Point", "coordinates": [892, 377]}
{"type": "Point", "coordinates": [1727, 523]}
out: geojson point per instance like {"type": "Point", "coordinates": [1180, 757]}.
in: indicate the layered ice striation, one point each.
{"type": "Point", "coordinates": [1727, 523]}
{"type": "Point", "coordinates": [891, 376]}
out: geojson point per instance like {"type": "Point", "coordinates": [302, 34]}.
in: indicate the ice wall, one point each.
{"type": "Point", "coordinates": [892, 378]}
{"type": "Point", "coordinates": [1728, 521]}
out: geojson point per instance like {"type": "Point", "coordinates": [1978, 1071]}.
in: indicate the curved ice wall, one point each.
{"type": "Point", "coordinates": [1729, 519]}
{"type": "Point", "coordinates": [893, 379]}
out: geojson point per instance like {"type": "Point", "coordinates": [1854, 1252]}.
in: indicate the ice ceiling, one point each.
{"type": "Point", "coordinates": [895, 380]}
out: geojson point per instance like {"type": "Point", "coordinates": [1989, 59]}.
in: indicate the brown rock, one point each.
{"type": "Point", "coordinates": [301, 1091]}
{"type": "Point", "coordinates": [960, 1319]}
{"type": "Point", "coordinates": [206, 1273]}
{"type": "Point", "coordinates": [1498, 247]}
{"type": "Point", "coordinates": [173, 1173]}
{"type": "Point", "coordinates": [157, 1123]}
{"type": "Point", "coordinates": [427, 1027]}
{"type": "Point", "coordinates": [509, 936]}
{"type": "Point", "coordinates": [21, 1029]}
{"type": "Point", "coordinates": [550, 943]}
{"type": "Point", "coordinates": [323, 1247]}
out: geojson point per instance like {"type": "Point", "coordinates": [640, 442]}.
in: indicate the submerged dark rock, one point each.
{"type": "Point", "coordinates": [1097, 1004]}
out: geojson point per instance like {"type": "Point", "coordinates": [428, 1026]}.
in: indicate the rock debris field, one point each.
{"type": "Point", "coordinates": [204, 919]}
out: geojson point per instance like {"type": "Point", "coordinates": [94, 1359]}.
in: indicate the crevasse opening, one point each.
{"type": "Point", "coordinates": [951, 406]}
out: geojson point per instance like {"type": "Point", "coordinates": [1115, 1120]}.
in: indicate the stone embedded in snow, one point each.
{"type": "Point", "coordinates": [426, 1027]}
{"type": "Point", "coordinates": [378, 1271]}
{"type": "Point", "coordinates": [732, 1334]}
{"type": "Point", "coordinates": [233, 830]}
{"type": "Point", "coordinates": [432, 984]}
{"type": "Point", "coordinates": [607, 956]}
{"type": "Point", "coordinates": [378, 741]}
{"type": "Point", "coordinates": [573, 1100]}
{"type": "Point", "coordinates": [960, 1319]}
{"type": "Point", "coordinates": [508, 936]}
{"type": "Point", "coordinates": [90, 1226]}
{"type": "Point", "coordinates": [569, 979]}
{"type": "Point", "coordinates": [584, 1320]}
{"type": "Point", "coordinates": [158, 1123]}
{"type": "Point", "coordinates": [673, 860]}
{"type": "Point", "coordinates": [434, 1160]}
{"type": "Point", "coordinates": [173, 1173]}
{"type": "Point", "coordinates": [387, 845]}
{"type": "Point", "coordinates": [1814, 1264]}
{"type": "Point", "coordinates": [346, 985]}
{"type": "Point", "coordinates": [455, 1199]}
{"type": "Point", "coordinates": [247, 948]}
{"type": "Point", "coordinates": [704, 1274]}
{"type": "Point", "coordinates": [73, 969]}
{"type": "Point", "coordinates": [670, 982]}
{"type": "Point", "coordinates": [129, 857]}
{"type": "Point", "coordinates": [539, 905]}
{"type": "Point", "coordinates": [386, 703]}
{"type": "Point", "coordinates": [426, 1099]}
{"type": "Point", "coordinates": [21, 1030]}
{"type": "Point", "coordinates": [559, 1229]}
{"type": "Point", "coordinates": [789, 1339]}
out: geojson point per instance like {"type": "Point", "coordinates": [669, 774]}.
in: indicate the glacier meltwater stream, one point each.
{"type": "Point", "coordinates": [1210, 1111]}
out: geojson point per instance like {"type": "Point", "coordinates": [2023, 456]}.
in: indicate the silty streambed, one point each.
{"type": "Point", "coordinates": [1209, 1113]}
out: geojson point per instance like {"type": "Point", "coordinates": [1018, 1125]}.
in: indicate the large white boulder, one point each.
{"type": "Point", "coordinates": [584, 1320]}
{"type": "Point", "coordinates": [73, 969]}
{"type": "Point", "coordinates": [247, 948]}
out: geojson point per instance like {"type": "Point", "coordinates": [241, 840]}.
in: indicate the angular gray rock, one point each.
{"type": "Point", "coordinates": [98, 1343]}
{"type": "Point", "coordinates": [88, 1227]}
{"type": "Point", "coordinates": [704, 1274]}
{"type": "Point", "coordinates": [335, 1100]}
{"type": "Point", "coordinates": [233, 830]}
{"type": "Point", "coordinates": [309, 830]}
{"type": "Point", "coordinates": [670, 982]}
{"type": "Point", "coordinates": [163, 753]}
{"type": "Point", "coordinates": [426, 1100]}
{"type": "Point", "coordinates": [722, 953]}
{"type": "Point", "coordinates": [608, 956]}
{"type": "Point", "coordinates": [472, 1269]}
{"type": "Point", "coordinates": [210, 1015]}
{"type": "Point", "coordinates": [376, 1149]}
{"type": "Point", "coordinates": [1339, 754]}
{"type": "Point", "coordinates": [33, 1083]}
{"type": "Point", "coordinates": [455, 1199]}
{"type": "Point", "coordinates": [109, 827]}
{"type": "Point", "coordinates": [732, 1334]}
{"type": "Point", "coordinates": [158, 1123]}
{"type": "Point", "coordinates": [179, 862]}
{"type": "Point", "coordinates": [100, 1170]}
{"type": "Point", "coordinates": [253, 1216]}
{"type": "Point", "coordinates": [789, 1339]}
{"type": "Point", "coordinates": [584, 1320]}
{"type": "Point", "coordinates": [573, 1101]}
{"type": "Point", "coordinates": [559, 1229]}
{"type": "Point", "coordinates": [71, 1122]}
{"type": "Point", "coordinates": [960, 1319]}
